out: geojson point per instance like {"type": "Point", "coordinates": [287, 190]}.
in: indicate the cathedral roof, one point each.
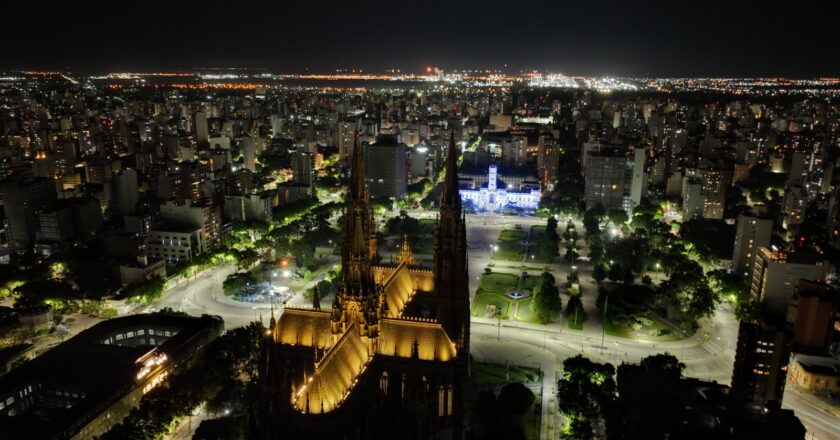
{"type": "Point", "coordinates": [335, 375]}
{"type": "Point", "coordinates": [398, 336]}
{"type": "Point", "coordinates": [423, 280]}
{"type": "Point", "coordinates": [399, 288]}
{"type": "Point", "coordinates": [304, 327]}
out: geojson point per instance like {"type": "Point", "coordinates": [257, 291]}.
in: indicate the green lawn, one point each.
{"type": "Point", "coordinates": [537, 233]}
{"type": "Point", "coordinates": [537, 237]}
{"type": "Point", "coordinates": [498, 282]}
{"type": "Point", "coordinates": [573, 326]}
{"type": "Point", "coordinates": [492, 289]}
{"type": "Point", "coordinates": [523, 267]}
{"type": "Point", "coordinates": [483, 299]}
{"type": "Point", "coordinates": [524, 313]}
{"type": "Point", "coordinates": [510, 245]}
{"type": "Point", "coordinates": [660, 331]}
{"type": "Point", "coordinates": [495, 374]}
{"type": "Point", "coordinates": [422, 242]}
{"type": "Point", "coordinates": [494, 377]}
{"type": "Point", "coordinates": [529, 282]}
{"type": "Point", "coordinates": [512, 235]}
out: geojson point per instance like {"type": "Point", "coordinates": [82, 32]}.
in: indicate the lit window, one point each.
{"type": "Point", "coordinates": [383, 382]}
{"type": "Point", "coordinates": [441, 401]}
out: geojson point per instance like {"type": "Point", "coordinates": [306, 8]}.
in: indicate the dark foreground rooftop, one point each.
{"type": "Point", "coordinates": [60, 392]}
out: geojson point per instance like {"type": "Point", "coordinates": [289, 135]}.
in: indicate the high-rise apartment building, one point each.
{"type": "Point", "coordinates": [302, 168]}
{"type": "Point", "coordinates": [385, 161]}
{"type": "Point", "coordinates": [22, 200]}
{"type": "Point", "coordinates": [638, 177]}
{"type": "Point", "coordinates": [249, 153]}
{"type": "Point", "coordinates": [206, 217]}
{"type": "Point", "coordinates": [753, 233]}
{"type": "Point", "coordinates": [200, 128]}
{"type": "Point", "coordinates": [760, 369]}
{"type": "Point", "coordinates": [811, 317]}
{"type": "Point", "coordinates": [125, 191]}
{"type": "Point", "coordinates": [834, 219]}
{"type": "Point", "coordinates": [776, 274]}
{"type": "Point", "coordinates": [346, 135]}
{"type": "Point", "coordinates": [714, 184]}
{"type": "Point", "coordinates": [548, 158]}
{"type": "Point", "coordinates": [605, 176]}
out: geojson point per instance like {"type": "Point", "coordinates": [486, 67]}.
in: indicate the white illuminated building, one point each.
{"type": "Point", "coordinates": [490, 197]}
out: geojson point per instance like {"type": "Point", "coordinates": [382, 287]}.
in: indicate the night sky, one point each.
{"type": "Point", "coordinates": [582, 37]}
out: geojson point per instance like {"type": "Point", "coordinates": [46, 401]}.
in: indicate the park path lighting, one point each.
{"type": "Point", "coordinates": [499, 325]}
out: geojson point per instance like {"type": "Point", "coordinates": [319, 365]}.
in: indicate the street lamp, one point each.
{"type": "Point", "coordinates": [499, 325]}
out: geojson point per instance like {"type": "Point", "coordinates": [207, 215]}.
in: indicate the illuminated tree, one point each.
{"type": "Point", "coordinates": [586, 394]}
{"type": "Point", "coordinates": [546, 302]}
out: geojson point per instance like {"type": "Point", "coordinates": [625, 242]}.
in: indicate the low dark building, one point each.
{"type": "Point", "coordinates": [657, 404]}
{"type": "Point", "coordinates": [661, 404]}
{"type": "Point", "coordinates": [83, 387]}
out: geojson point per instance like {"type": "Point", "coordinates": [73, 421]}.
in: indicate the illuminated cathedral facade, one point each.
{"type": "Point", "coordinates": [389, 358]}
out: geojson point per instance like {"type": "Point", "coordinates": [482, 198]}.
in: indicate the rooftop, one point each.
{"type": "Point", "coordinates": [59, 392]}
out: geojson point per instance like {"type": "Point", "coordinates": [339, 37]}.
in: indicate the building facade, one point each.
{"type": "Point", "coordinates": [776, 274]}
{"type": "Point", "coordinates": [605, 177]}
{"type": "Point", "coordinates": [760, 368]}
{"type": "Point", "coordinates": [385, 162]}
{"type": "Point", "coordinates": [82, 388]}
{"type": "Point", "coordinates": [753, 233]}
{"type": "Point", "coordinates": [174, 244]}
{"type": "Point", "coordinates": [495, 194]}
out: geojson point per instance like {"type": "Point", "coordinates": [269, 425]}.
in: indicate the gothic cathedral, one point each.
{"type": "Point", "coordinates": [390, 357]}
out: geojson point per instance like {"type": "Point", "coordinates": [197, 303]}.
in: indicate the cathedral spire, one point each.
{"type": "Point", "coordinates": [450, 195]}
{"type": "Point", "coordinates": [405, 252]}
{"type": "Point", "coordinates": [357, 291]}
{"type": "Point", "coordinates": [272, 323]}
{"type": "Point", "coordinates": [316, 298]}
{"type": "Point", "coordinates": [450, 260]}
{"type": "Point", "coordinates": [357, 188]}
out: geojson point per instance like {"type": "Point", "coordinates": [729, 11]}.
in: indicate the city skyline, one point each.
{"type": "Point", "coordinates": [419, 220]}
{"type": "Point", "coordinates": [716, 39]}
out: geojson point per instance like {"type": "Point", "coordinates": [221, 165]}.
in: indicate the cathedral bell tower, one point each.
{"type": "Point", "coordinates": [450, 259]}
{"type": "Point", "coordinates": [357, 298]}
